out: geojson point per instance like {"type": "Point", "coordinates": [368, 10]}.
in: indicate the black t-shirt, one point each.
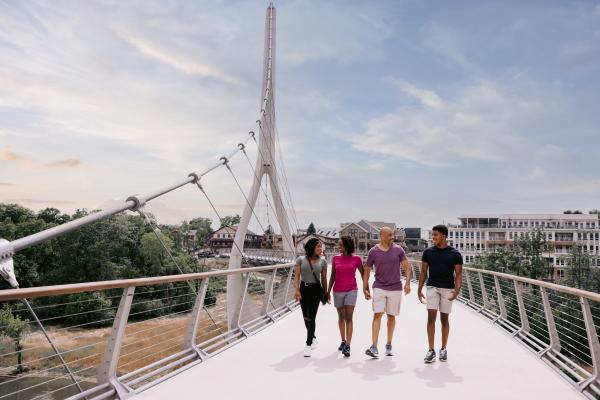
{"type": "Point", "coordinates": [441, 266]}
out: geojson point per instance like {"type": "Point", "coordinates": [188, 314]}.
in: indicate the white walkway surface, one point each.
{"type": "Point", "coordinates": [483, 363]}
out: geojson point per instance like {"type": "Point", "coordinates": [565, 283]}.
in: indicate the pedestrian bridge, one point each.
{"type": "Point", "coordinates": [237, 333]}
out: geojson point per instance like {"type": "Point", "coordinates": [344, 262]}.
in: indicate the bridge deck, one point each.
{"type": "Point", "coordinates": [483, 363]}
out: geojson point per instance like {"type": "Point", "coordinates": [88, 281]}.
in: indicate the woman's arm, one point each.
{"type": "Point", "coordinates": [324, 280]}
{"type": "Point", "coordinates": [332, 278]}
{"type": "Point", "coordinates": [297, 294]}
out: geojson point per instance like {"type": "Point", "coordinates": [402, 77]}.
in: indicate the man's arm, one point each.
{"type": "Point", "coordinates": [457, 282]}
{"type": "Point", "coordinates": [366, 274]}
{"type": "Point", "coordinates": [422, 277]}
{"type": "Point", "coordinates": [406, 265]}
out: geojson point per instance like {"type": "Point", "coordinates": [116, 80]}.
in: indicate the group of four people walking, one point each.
{"type": "Point", "coordinates": [441, 273]}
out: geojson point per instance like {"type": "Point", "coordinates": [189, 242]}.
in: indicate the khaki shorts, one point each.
{"type": "Point", "coordinates": [387, 301]}
{"type": "Point", "coordinates": [437, 299]}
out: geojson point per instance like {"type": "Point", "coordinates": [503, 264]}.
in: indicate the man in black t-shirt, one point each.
{"type": "Point", "coordinates": [444, 264]}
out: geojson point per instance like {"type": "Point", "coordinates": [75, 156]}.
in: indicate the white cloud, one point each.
{"type": "Point", "coordinates": [484, 121]}
{"type": "Point", "coordinates": [180, 63]}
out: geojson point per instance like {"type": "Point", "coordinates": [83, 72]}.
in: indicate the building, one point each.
{"type": "Point", "coordinates": [479, 233]}
{"type": "Point", "coordinates": [329, 238]}
{"type": "Point", "coordinates": [366, 233]}
{"type": "Point", "coordinates": [189, 240]}
{"type": "Point", "coordinates": [414, 241]}
{"type": "Point", "coordinates": [223, 238]}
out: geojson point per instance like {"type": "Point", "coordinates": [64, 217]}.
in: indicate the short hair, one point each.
{"type": "Point", "coordinates": [310, 246]}
{"type": "Point", "coordinates": [443, 229]}
{"type": "Point", "coordinates": [348, 244]}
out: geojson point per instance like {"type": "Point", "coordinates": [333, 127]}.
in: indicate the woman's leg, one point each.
{"type": "Point", "coordinates": [348, 313]}
{"type": "Point", "coordinates": [305, 303]}
{"type": "Point", "coordinates": [315, 299]}
{"type": "Point", "coordinates": [342, 323]}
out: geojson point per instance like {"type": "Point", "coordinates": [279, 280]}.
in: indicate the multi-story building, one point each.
{"type": "Point", "coordinates": [329, 238]}
{"type": "Point", "coordinates": [223, 238]}
{"type": "Point", "coordinates": [366, 233]}
{"type": "Point", "coordinates": [478, 233]}
{"type": "Point", "coordinates": [414, 241]}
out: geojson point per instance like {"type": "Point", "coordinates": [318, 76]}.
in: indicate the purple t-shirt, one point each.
{"type": "Point", "coordinates": [387, 266]}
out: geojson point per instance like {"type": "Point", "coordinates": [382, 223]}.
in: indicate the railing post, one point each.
{"type": "Point", "coordinates": [552, 332]}
{"type": "Point", "coordinates": [501, 303]}
{"type": "Point", "coordinates": [190, 337]}
{"type": "Point", "coordinates": [469, 287]}
{"type": "Point", "coordinates": [245, 281]}
{"type": "Point", "coordinates": [522, 310]}
{"type": "Point", "coordinates": [288, 284]}
{"type": "Point", "coordinates": [593, 342]}
{"type": "Point", "coordinates": [484, 296]}
{"type": "Point", "coordinates": [269, 286]}
{"type": "Point", "coordinates": [107, 372]}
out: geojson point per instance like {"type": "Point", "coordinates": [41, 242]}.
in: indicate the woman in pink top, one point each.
{"type": "Point", "coordinates": [343, 283]}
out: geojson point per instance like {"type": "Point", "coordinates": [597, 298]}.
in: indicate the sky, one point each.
{"type": "Point", "coordinates": [413, 112]}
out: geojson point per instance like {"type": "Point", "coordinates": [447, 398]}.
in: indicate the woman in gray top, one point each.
{"type": "Point", "coordinates": [310, 279]}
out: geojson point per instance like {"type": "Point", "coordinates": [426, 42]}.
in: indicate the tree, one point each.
{"type": "Point", "coordinates": [14, 328]}
{"type": "Point", "coordinates": [311, 229]}
{"type": "Point", "coordinates": [230, 220]}
{"type": "Point", "coordinates": [203, 229]}
{"type": "Point", "coordinates": [578, 269]}
{"type": "Point", "coordinates": [531, 246]}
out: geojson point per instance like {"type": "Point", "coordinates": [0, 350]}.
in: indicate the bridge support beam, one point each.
{"type": "Point", "coordinates": [552, 332]}
{"type": "Point", "coordinates": [593, 342]}
{"type": "Point", "coordinates": [192, 330]}
{"type": "Point", "coordinates": [522, 310]}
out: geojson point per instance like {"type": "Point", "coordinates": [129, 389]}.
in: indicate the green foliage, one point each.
{"type": "Point", "coordinates": [203, 229]}
{"type": "Point", "coordinates": [13, 327]}
{"type": "Point", "coordinates": [230, 220]}
{"type": "Point", "coordinates": [83, 308]}
{"type": "Point", "coordinates": [311, 229]}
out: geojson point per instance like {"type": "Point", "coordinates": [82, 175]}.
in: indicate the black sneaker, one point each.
{"type": "Point", "coordinates": [430, 356]}
{"type": "Point", "coordinates": [342, 345]}
{"type": "Point", "coordinates": [346, 351]}
{"type": "Point", "coordinates": [372, 351]}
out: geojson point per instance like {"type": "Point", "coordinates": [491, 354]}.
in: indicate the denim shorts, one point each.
{"type": "Point", "coordinates": [341, 299]}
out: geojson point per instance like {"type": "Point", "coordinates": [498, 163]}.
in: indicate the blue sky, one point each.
{"type": "Point", "coordinates": [407, 111]}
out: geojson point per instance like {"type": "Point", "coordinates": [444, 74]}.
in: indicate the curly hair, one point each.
{"type": "Point", "coordinates": [348, 244]}
{"type": "Point", "coordinates": [310, 247]}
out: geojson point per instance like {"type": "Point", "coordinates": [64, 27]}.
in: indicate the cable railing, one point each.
{"type": "Point", "coordinates": [559, 324]}
{"type": "Point", "coordinates": [145, 331]}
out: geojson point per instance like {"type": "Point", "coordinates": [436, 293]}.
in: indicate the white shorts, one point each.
{"type": "Point", "coordinates": [387, 301]}
{"type": "Point", "coordinates": [437, 299]}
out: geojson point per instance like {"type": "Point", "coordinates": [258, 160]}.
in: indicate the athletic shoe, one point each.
{"type": "Point", "coordinates": [388, 350]}
{"type": "Point", "coordinates": [443, 355]}
{"type": "Point", "coordinates": [372, 351]}
{"type": "Point", "coordinates": [314, 344]}
{"type": "Point", "coordinates": [430, 356]}
{"type": "Point", "coordinates": [342, 346]}
{"type": "Point", "coordinates": [307, 350]}
{"type": "Point", "coordinates": [346, 351]}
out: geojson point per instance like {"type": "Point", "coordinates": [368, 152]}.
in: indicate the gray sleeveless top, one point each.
{"type": "Point", "coordinates": [305, 272]}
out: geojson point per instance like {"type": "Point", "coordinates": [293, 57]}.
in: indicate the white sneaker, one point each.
{"type": "Point", "coordinates": [307, 350]}
{"type": "Point", "coordinates": [315, 343]}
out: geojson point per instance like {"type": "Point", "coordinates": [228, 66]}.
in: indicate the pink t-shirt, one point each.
{"type": "Point", "coordinates": [345, 272]}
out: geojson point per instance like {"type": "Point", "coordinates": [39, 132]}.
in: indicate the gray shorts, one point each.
{"type": "Point", "coordinates": [341, 299]}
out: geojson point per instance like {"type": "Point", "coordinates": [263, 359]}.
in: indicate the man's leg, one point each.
{"type": "Point", "coordinates": [431, 317]}
{"type": "Point", "coordinates": [391, 325]}
{"type": "Point", "coordinates": [342, 322]}
{"type": "Point", "coordinates": [445, 328]}
{"type": "Point", "coordinates": [376, 326]}
{"type": "Point", "coordinates": [348, 313]}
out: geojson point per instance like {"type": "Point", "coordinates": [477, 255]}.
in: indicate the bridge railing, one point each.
{"type": "Point", "coordinates": [558, 323]}
{"type": "Point", "coordinates": [125, 336]}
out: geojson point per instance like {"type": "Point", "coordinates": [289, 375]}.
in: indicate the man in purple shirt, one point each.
{"type": "Point", "coordinates": [387, 258]}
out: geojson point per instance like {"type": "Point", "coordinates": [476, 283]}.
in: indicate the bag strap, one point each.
{"type": "Point", "coordinates": [313, 271]}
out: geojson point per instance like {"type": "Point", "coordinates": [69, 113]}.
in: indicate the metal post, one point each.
{"type": "Point", "coordinates": [288, 284]}
{"type": "Point", "coordinates": [593, 342]}
{"type": "Point", "coordinates": [107, 372]}
{"type": "Point", "coordinates": [522, 310]}
{"type": "Point", "coordinates": [552, 332]}
{"type": "Point", "coordinates": [190, 337]}
{"type": "Point", "coordinates": [470, 287]}
{"type": "Point", "coordinates": [501, 303]}
{"type": "Point", "coordinates": [245, 281]}
{"type": "Point", "coordinates": [484, 296]}
{"type": "Point", "coordinates": [269, 286]}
